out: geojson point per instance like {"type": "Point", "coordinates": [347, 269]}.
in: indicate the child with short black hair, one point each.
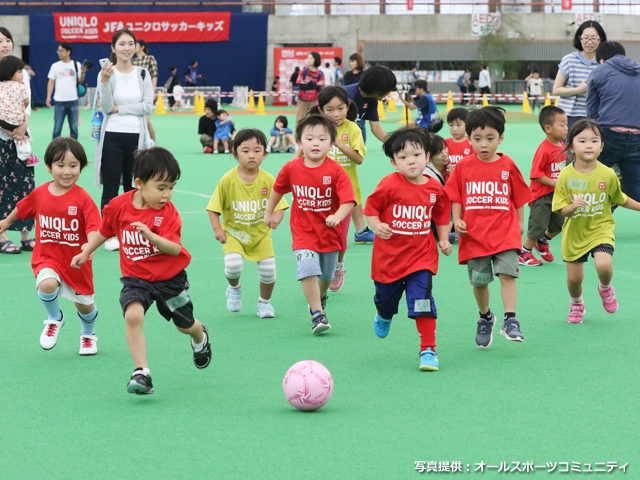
{"type": "Point", "coordinates": [401, 211]}
{"type": "Point", "coordinates": [14, 100]}
{"type": "Point", "coordinates": [584, 193]}
{"type": "Point", "coordinates": [458, 145]}
{"type": "Point", "coordinates": [548, 161]}
{"type": "Point", "coordinates": [224, 129]}
{"type": "Point", "coordinates": [66, 218]}
{"type": "Point", "coordinates": [241, 198]}
{"type": "Point", "coordinates": [281, 140]}
{"type": "Point", "coordinates": [322, 198]}
{"type": "Point", "coordinates": [152, 260]}
{"type": "Point", "coordinates": [488, 195]}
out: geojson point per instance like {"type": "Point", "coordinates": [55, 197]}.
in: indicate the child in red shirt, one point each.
{"type": "Point", "coordinates": [400, 212]}
{"type": "Point", "coordinates": [488, 195]}
{"type": "Point", "coordinates": [152, 260]}
{"type": "Point", "coordinates": [458, 145]}
{"type": "Point", "coordinates": [322, 198]}
{"type": "Point", "coordinates": [66, 217]}
{"type": "Point", "coordinates": [547, 163]}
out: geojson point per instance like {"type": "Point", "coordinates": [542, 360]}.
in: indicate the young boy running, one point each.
{"type": "Point", "coordinates": [322, 198]}
{"type": "Point", "coordinates": [458, 145]}
{"type": "Point", "coordinates": [152, 260]}
{"type": "Point", "coordinates": [400, 211]}
{"type": "Point", "coordinates": [547, 163]}
{"type": "Point", "coordinates": [488, 195]}
{"type": "Point", "coordinates": [66, 217]}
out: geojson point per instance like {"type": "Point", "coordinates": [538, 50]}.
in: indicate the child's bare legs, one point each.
{"type": "Point", "coordinates": [324, 286]}
{"type": "Point", "coordinates": [482, 298]}
{"type": "Point", "coordinates": [266, 290]}
{"type": "Point", "coordinates": [529, 243]}
{"type": "Point", "coordinates": [509, 292]}
{"type": "Point", "coordinates": [604, 267]}
{"type": "Point", "coordinates": [272, 142]}
{"type": "Point", "coordinates": [575, 275]}
{"type": "Point", "coordinates": [134, 322]}
{"type": "Point", "coordinates": [215, 145]}
{"type": "Point", "coordinates": [195, 332]}
{"type": "Point", "coordinates": [311, 289]}
{"type": "Point", "coordinates": [358, 218]}
{"type": "Point", "coordinates": [234, 282]}
{"type": "Point", "coordinates": [226, 145]}
{"type": "Point", "coordinates": [291, 142]}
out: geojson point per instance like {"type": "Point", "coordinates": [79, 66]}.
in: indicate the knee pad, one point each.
{"type": "Point", "coordinates": [267, 270]}
{"type": "Point", "coordinates": [233, 265]}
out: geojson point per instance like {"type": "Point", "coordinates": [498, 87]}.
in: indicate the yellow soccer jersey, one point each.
{"type": "Point", "coordinates": [593, 224]}
{"type": "Point", "coordinates": [242, 206]}
{"type": "Point", "coordinates": [350, 134]}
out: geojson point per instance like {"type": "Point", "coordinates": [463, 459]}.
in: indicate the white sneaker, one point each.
{"type": "Point", "coordinates": [265, 310]}
{"type": "Point", "coordinates": [112, 244]}
{"type": "Point", "coordinates": [234, 299]}
{"type": "Point", "coordinates": [23, 149]}
{"type": "Point", "coordinates": [88, 344]}
{"type": "Point", "coordinates": [49, 336]}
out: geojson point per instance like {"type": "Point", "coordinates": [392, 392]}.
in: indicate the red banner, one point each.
{"type": "Point", "coordinates": [566, 5]}
{"type": "Point", "coordinates": [153, 27]}
{"type": "Point", "coordinates": [285, 60]}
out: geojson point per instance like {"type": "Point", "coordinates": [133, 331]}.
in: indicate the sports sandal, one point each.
{"type": "Point", "coordinates": [9, 247]}
{"type": "Point", "coordinates": [28, 245]}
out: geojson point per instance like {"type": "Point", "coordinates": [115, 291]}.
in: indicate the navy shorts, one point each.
{"type": "Point", "coordinates": [171, 297]}
{"type": "Point", "coordinates": [417, 286]}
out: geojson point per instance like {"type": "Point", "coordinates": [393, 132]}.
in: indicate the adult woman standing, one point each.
{"type": "Point", "coordinates": [310, 80]}
{"type": "Point", "coordinates": [356, 62]}
{"type": "Point", "coordinates": [16, 179]}
{"type": "Point", "coordinates": [126, 96]}
{"type": "Point", "coordinates": [571, 81]}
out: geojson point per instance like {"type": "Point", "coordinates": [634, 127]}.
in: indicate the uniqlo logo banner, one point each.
{"type": "Point", "coordinates": [153, 27]}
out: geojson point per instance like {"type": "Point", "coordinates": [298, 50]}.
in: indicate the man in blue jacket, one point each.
{"type": "Point", "coordinates": [613, 96]}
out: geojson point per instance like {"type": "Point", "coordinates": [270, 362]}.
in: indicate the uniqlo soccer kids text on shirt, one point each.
{"type": "Point", "coordinates": [458, 150]}
{"type": "Point", "coordinates": [548, 161]}
{"type": "Point", "coordinates": [317, 193]}
{"type": "Point", "coordinates": [242, 206]}
{"type": "Point", "coordinates": [408, 209]}
{"type": "Point", "coordinates": [593, 224]}
{"type": "Point", "coordinates": [62, 225]}
{"type": "Point", "coordinates": [139, 257]}
{"type": "Point", "coordinates": [490, 193]}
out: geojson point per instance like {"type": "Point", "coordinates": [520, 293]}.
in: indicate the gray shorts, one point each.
{"type": "Point", "coordinates": [504, 263]}
{"type": "Point", "coordinates": [315, 264]}
{"type": "Point", "coordinates": [541, 218]}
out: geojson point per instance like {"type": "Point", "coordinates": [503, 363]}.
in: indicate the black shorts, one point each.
{"type": "Point", "coordinates": [603, 247]}
{"type": "Point", "coordinates": [171, 297]}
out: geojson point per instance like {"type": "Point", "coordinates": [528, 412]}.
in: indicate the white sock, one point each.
{"type": "Point", "coordinates": [197, 347]}
{"type": "Point", "coordinates": [263, 300]}
{"type": "Point", "coordinates": [339, 265]}
{"type": "Point", "coordinates": [577, 300]}
{"type": "Point", "coordinates": [602, 286]}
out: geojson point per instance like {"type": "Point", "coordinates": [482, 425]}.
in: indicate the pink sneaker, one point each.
{"type": "Point", "coordinates": [32, 161]}
{"type": "Point", "coordinates": [338, 280]}
{"type": "Point", "coordinates": [609, 301]}
{"type": "Point", "coordinates": [576, 312]}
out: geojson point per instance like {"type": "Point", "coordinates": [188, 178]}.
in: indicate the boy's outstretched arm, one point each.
{"type": "Point", "coordinates": [342, 212]}
{"type": "Point", "coordinates": [7, 222]}
{"type": "Point", "coordinates": [166, 246]}
{"type": "Point", "coordinates": [631, 204]}
{"type": "Point", "coordinates": [382, 230]}
{"type": "Point", "coordinates": [95, 239]}
{"type": "Point", "coordinates": [269, 216]}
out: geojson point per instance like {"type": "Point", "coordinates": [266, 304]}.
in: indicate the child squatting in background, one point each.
{"type": "Point", "coordinates": [400, 212]}
{"type": "Point", "coordinates": [584, 194]}
{"type": "Point", "coordinates": [488, 195]}
{"type": "Point", "coordinates": [322, 199]}
{"type": "Point", "coordinates": [241, 198]}
{"type": "Point", "coordinates": [348, 150]}
{"type": "Point", "coordinates": [66, 218]}
{"type": "Point", "coordinates": [281, 140]}
{"type": "Point", "coordinates": [152, 260]}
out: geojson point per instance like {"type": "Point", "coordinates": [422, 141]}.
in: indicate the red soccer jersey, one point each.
{"type": "Point", "coordinates": [547, 162]}
{"type": "Point", "coordinates": [490, 193]}
{"type": "Point", "coordinates": [317, 193]}
{"type": "Point", "coordinates": [139, 258]}
{"type": "Point", "coordinates": [62, 225]}
{"type": "Point", "coordinates": [408, 210]}
{"type": "Point", "coordinates": [458, 150]}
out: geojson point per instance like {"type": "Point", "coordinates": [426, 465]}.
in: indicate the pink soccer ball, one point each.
{"type": "Point", "coordinates": [307, 385]}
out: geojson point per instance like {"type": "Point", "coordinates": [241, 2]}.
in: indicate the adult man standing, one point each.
{"type": "Point", "coordinates": [191, 75]}
{"type": "Point", "coordinates": [484, 81]}
{"type": "Point", "coordinates": [613, 95]}
{"type": "Point", "coordinates": [64, 77]}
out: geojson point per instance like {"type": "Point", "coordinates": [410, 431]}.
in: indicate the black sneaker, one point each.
{"type": "Point", "coordinates": [484, 334]}
{"type": "Point", "coordinates": [320, 324]}
{"type": "Point", "coordinates": [511, 330]}
{"type": "Point", "coordinates": [323, 303]}
{"type": "Point", "coordinates": [202, 358]}
{"type": "Point", "coordinates": [140, 384]}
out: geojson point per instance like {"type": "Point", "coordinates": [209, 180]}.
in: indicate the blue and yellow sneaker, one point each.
{"type": "Point", "coordinates": [365, 236]}
{"type": "Point", "coordinates": [429, 361]}
{"type": "Point", "coordinates": [381, 326]}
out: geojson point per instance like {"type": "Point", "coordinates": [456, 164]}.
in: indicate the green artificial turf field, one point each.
{"type": "Point", "coordinates": [568, 394]}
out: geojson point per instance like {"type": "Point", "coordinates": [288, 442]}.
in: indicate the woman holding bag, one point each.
{"type": "Point", "coordinates": [126, 96]}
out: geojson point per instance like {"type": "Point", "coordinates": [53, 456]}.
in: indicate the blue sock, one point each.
{"type": "Point", "coordinates": [50, 302]}
{"type": "Point", "coordinates": [89, 322]}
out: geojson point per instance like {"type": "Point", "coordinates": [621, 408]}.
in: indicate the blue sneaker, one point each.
{"type": "Point", "coordinates": [381, 326]}
{"type": "Point", "coordinates": [429, 361]}
{"type": "Point", "coordinates": [365, 237]}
